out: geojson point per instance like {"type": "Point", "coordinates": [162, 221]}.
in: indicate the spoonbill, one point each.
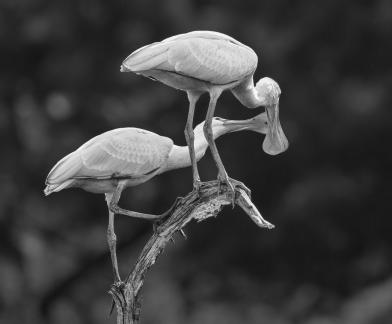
{"type": "Point", "coordinates": [207, 61]}
{"type": "Point", "coordinates": [127, 157]}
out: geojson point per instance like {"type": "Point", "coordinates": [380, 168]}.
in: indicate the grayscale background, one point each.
{"type": "Point", "coordinates": [328, 261]}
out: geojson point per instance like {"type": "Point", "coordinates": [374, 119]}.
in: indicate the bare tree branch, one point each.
{"type": "Point", "coordinates": [210, 200]}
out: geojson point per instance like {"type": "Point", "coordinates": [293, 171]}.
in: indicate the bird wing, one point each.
{"type": "Point", "coordinates": [207, 56]}
{"type": "Point", "coordinates": [123, 152]}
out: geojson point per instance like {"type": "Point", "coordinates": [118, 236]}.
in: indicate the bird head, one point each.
{"type": "Point", "coordinates": [269, 92]}
{"type": "Point", "coordinates": [268, 89]}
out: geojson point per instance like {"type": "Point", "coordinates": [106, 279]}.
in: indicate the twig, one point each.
{"type": "Point", "coordinates": [199, 206]}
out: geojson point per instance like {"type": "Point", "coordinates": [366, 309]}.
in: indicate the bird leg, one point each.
{"type": "Point", "coordinates": [193, 97]}
{"type": "Point", "coordinates": [112, 240]}
{"type": "Point", "coordinates": [241, 185]}
{"type": "Point", "coordinates": [222, 174]}
{"type": "Point", "coordinates": [167, 213]}
{"type": "Point", "coordinates": [114, 208]}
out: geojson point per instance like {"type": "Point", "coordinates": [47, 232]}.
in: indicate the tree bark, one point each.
{"type": "Point", "coordinates": [208, 202]}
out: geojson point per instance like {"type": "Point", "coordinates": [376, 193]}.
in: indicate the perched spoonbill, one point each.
{"type": "Point", "coordinates": [207, 61]}
{"type": "Point", "coordinates": [127, 157]}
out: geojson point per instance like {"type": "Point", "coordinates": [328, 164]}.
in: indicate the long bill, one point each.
{"type": "Point", "coordinates": [257, 124]}
{"type": "Point", "coordinates": [275, 142]}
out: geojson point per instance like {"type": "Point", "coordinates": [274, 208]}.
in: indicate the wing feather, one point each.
{"type": "Point", "coordinates": [129, 152]}
{"type": "Point", "coordinates": [208, 56]}
{"type": "Point", "coordinates": [65, 169]}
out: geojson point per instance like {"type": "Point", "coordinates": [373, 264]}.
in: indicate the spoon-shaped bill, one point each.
{"type": "Point", "coordinates": [275, 142]}
{"type": "Point", "coordinates": [257, 124]}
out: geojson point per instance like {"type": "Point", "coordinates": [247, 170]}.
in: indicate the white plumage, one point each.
{"type": "Point", "coordinates": [124, 157]}
{"type": "Point", "coordinates": [119, 153]}
{"type": "Point", "coordinates": [206, 56]}
{"type": "Point", "coordinates": [207, 61]}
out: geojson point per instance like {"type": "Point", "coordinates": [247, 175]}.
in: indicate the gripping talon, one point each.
{"type": "Point", "coordinates": [111, 308]}
{"type": "Point", "coordinates": [196, 186]}
{"type": "Point", "coordinates": [117, 286]}
{"type": "Point", "coordinates": [242, 185]}
{"type": "Point", "coordinates": [225, 179]}
{"type": "Point", "coordinates": [114, 208]}
{"type": "Point", "coordinates": [232, 190]}
{"type": "Point", "coordinates": [155, 226]}
{"type": "Point", "coordinates": [183, 234]}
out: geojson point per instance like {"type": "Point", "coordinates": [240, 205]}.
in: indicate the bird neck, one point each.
{"type": "Point", "coordinates": [246, 93]}
{"type": "Point", "coordinates": [179, 155]}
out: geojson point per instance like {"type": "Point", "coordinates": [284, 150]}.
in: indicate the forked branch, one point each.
{"type": "Point", "coordinates": [199, 206]}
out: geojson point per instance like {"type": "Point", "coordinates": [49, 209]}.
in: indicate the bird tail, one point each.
{"type": "Point", "coordinates": [62, 174]}
{"type": "Point", "coordinates": [146, 58]}
{"type": "Point", "coordinates": [50, 188]}
{"type": "Point", "coordinates": [64, 169]}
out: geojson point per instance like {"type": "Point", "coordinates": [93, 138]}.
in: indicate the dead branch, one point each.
{"type": "Point", "coordinates": [199, 206]}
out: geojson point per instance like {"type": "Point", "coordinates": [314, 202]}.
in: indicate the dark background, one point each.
{"type": "Point", "coordinates": [328, 261]}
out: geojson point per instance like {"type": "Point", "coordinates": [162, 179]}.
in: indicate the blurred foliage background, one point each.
{"type": "Point", "coordinates": [329, 260]}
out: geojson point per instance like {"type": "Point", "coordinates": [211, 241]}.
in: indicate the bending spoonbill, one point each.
{"type": "Point", "coordinates": [127, 157]}
{"type": "Point", "coordinates": [207, 61]}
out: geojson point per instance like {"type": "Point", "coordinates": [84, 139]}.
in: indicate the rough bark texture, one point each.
{"type": "Point", "coordinates": [209, 202]}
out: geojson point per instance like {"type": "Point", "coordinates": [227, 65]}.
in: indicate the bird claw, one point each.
{"type": "Point", "coordinates": [172, 208]}
{"type": "Point", "coordinates": [165, 215]}
{"type": "Point", "coordinates": [114, 208]}
{"type": "Point", "coordinates": [183, 234]}
{"type": "Point", "coordinates": [155, 226]}
{"type": "Point", "coordinates": [225, 179]}
{"type": "Point", "coordinates": [111, 308]}
{"type": "Point", "coordinates": [196, 186]}
{"type": "Point", "coordinates": [117, 286]}
{"type": "Point", "coordinates": [241, 185]}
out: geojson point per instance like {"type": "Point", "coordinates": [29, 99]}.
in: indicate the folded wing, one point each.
{"type": "Point", "coordinates": [208, 56]}
{"type": "Point", "coordinates": [124, 152]}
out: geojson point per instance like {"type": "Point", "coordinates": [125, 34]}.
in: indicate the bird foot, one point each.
{"type": "Point", "coordinates": [115, 290]}
{"type": "Point", "coordinates": [196, 186]}
{"type": "Point", "coordinates": [165, 215]}
{"type": "Point", "coordinates": [114, 208]}
{"type": "Point", "coordinates": [111, 308]}
{"type": "Point", "coordinates": [157, 224]}
{"type": "Point", "coordinates": [241, 185]}
{"type": "Point", "coordinates": [183, 234]}
{"type": "Point", "coordinates": [226, 180]}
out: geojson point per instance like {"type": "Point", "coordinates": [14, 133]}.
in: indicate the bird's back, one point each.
{"type": "Point", "coordinates": [205, 34]}
{"type": "Point", "coordinates": [119, 153]}
{"type": "Point", "coordinates": [203, 55]}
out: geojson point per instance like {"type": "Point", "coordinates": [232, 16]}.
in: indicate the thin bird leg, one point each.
{"type": "Point", "coordinates": [113, 206]}
{"type": "Point", "coordinates": [222, 174]}
{"type": "Point", "coordinates": [193, 97]}
{"type": "Point", "coordinates": [171, 209]}
{"type": "Point", "coordinates": [163, 216]}
{"type": "Point", "coordinates": [112, 240]}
